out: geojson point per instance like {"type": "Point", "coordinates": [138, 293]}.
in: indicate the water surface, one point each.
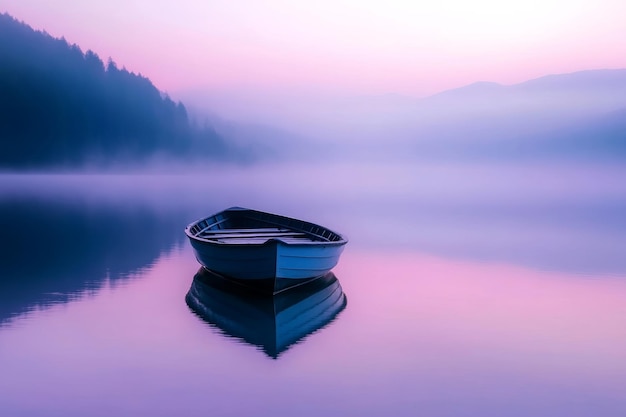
{"type": "Point", "coordinates": [470, 291]}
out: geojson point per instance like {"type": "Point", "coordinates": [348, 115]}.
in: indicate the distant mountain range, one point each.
{"type": "Point", "coordinates": [60, 107]}
{"type": "Point", "coordinates": [557, 116]}
{"type": "Point", "coordinates": [582, 81]}
{"type": "Point", "coordinates": [585, 93]}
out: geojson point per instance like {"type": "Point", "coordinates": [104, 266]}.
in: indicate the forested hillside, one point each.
{"type": "Point", "coordinates": [60, 106]}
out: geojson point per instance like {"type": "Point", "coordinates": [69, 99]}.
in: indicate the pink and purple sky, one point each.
{"type": "Point", "coordinates": [353, 46]}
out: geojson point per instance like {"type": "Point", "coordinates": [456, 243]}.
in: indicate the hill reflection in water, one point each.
{"type": "Point", "coordinates": [55, 251]}
{"type": "Point", "coordinates": [272, 323]}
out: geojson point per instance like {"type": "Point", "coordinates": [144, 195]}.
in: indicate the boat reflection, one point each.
{"type": "Point", "coordinates": [272, 323]}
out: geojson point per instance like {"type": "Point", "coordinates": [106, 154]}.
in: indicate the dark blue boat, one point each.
{"type": "Point", "coordinates": [266, 250]}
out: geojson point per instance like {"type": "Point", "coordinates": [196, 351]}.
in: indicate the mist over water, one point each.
{"type": "Point", "coordinates": [558, 217]}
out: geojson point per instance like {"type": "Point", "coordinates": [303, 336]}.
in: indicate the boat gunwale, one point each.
{"type": "Point", "coordinates": [342, 239]}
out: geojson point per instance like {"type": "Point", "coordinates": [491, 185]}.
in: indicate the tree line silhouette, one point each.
{"type": "Point", "coordinates": [60, 106]}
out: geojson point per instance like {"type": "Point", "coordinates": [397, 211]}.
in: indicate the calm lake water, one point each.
{"type": "Point", "coordinates": [471, 291]}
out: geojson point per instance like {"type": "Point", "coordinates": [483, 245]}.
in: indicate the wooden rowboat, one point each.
{"type": "Point", "coordinates": [266, 250]}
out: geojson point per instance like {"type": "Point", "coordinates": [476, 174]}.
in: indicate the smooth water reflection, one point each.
{"type": "Point", "coordinates": [421, 335]}
{"type": "Point", "coordinates": [526, 320]}
{"type": "Point", "coordinates": [273, 323]}
{"type": "Point", "coordinates": [53, 251]}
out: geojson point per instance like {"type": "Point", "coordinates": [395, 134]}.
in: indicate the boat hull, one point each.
{"type": "Point", "coordinates": [270, 260]}
{"type": "Point", "coordinates": [276, 263]}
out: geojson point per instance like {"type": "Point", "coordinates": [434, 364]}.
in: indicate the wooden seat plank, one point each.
{"type": "Point", "coordinates": [260, 240]}
{"type": "Point", "coordinates": [255, 230]}
{"type": "Point", "coordinates": [251, 235]}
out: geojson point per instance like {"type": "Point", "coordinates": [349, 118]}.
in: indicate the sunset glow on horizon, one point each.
{"type": "Point", "coordinates": [413, 48]}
